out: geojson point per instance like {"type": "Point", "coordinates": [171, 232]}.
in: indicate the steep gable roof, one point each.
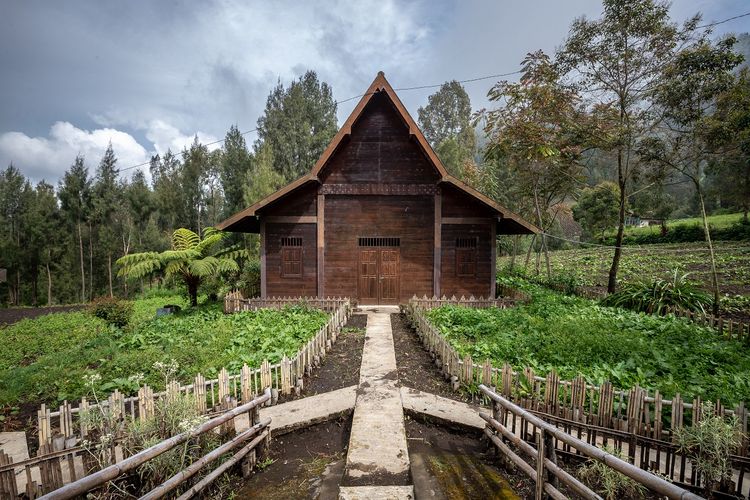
{"type": "Point", "coordinates": [506, 219]}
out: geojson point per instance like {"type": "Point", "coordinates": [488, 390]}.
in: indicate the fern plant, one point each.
{"type": "Point", "coordinates": [659, 296]}
{"type": "Point", "coordinates": [191, 259]}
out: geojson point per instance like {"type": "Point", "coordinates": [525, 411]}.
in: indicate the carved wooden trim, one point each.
{"type": "Point", "coordinates": [379, 189]}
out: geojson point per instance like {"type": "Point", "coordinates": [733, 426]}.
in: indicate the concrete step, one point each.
{"type": "Point", "coordinates": [376, 493]}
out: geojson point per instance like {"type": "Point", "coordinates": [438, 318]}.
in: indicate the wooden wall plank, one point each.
{"type": "Point", "coordinates": [321, 244]}
{"type": "Point", "coordinates": [263, 268]}
{"type": "Point", "coordinates": [438, 239]}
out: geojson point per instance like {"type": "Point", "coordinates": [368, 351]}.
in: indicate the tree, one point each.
{"type": "Point", "coordinates": [298, 123]}
{"type": "Point", "coordinates": [42, 245]}
{"type": "Point", "coordinates": [166, 173]}
{"type": "Point", "coordinates": [75, 200]}
{"type": "Point", "coordinates": [446, 124]}
{"type": "Point", "coordinates": [105, 205]}
{"type": "Point", "coordinates": [235, 163]}
{"type": "Point", "coordinates": [15, 194]}
{"type": "Point", "coordinates": [191, 258]}
{"type": "Point", "coordinates": [618, 60]}
{"type": "Point", "coordinates": [537, 133]}
{"type": "Point", "coordinates": [728, 131]}
{"type": "Point", "coordinates": [195, 166]}
{"type": "Point", "coordinates": [687, 97]}
{"type": "Point", "coordinates": [597, 208]}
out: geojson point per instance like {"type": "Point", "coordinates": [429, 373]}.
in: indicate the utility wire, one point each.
{"type": "Point", "coordinates": [432, 86]}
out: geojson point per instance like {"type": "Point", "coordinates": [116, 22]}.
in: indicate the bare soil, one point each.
{"type": "Point", "coordinates": [11, 315]}
{"type": "Point", "coordinates": [460, 465]}
{"type": "Point", "coordinates": [301, 462]}
{"type": "Point", "coordinates": [416, 368]}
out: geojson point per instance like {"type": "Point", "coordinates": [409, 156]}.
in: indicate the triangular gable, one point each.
{"type": "Point", "coordinates": [240, 221]}
{"type": "Point", "coordinates": [380, 84]}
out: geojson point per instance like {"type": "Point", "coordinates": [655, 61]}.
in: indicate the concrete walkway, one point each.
{"type": "Point", "coordinates": [377, 454]}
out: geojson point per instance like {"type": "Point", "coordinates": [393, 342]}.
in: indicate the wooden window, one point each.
{"type": "Point", "coordinates": [379, 241]}
{"type": "Point", "coordinates": [291, 257]}
{"type": "Point", "coordinates": [466, 257]}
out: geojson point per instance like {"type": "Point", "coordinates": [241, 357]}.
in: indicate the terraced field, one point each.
{"type": "Point", "coordinates": [590, 266]}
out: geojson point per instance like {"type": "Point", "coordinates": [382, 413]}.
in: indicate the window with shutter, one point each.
{"type": "Point", "coordinates": [466, 257]}
{"type": "Point", "coordinates": [291, 257]}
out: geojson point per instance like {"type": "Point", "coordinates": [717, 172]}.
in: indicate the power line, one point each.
{"type": "Point", "coordinates": [724, 21]}
{"type": "Point", "coordinates": [432, 86]}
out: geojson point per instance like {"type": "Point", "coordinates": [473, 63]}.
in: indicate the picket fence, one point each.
{"type": "Point", "coordinates": [60, 432]}
{"type": "Point", "coordinates": [635, 410]}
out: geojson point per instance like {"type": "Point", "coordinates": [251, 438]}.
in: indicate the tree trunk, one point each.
{"type": "Point", "coordinates": [109, 274]}
{"type": "Point", "coordinates": [707, 232]}
{"type": "Point", "coordinates": [528, 252]}
{"type": "Point", "coordinates": [612, 283]}
{"type": "Point", "coordinates": [83, 272]}
{"type": "Point", "coordinates": [192, 284]}
{"type": "Point", "coordinates": [544, 239]}
{"type": "Point", "coordinates": [515, 251]}
{"type": "Point", "coordinates": [49, 286]}
{"type": "Point", "coordinates": [91, 263]}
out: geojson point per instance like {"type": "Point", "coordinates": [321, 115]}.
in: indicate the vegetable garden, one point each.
{"type": "Point", "coordinates": [48, 358]}
{"type": "Point", "coordinates": [577, 336]}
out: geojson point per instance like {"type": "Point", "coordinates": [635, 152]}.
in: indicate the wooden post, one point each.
{"type": "Point", "coordinates": [437, 253]}
{"type": "Point", "coordinates": [321, 242]}
{"type": "Point", "coordinates": [493, 258]}
{"type": "Point", "coordinates": [540, 454]}
{"type": "Point", "coordinates": [262, 258]}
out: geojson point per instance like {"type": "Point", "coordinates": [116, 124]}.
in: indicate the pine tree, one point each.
{"type": "Point", "coordinates": [75, 199]}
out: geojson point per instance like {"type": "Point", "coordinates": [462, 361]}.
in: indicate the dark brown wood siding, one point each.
{"type": "Point", "coordinates": [409, 218]}
{"type": "Point", "coordinates": [453, 284]}
{"type": "Point", "coordinates": [305, 285]}
{"type": "Point", "coordinates": [302, 202]}
{"type": "Point", "coordinates": [458, 204]}
{"type": "Point", "coordinates": [379, 150]}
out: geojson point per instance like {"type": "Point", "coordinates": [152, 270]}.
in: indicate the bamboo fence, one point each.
{"type": "Point", "coordinates": [61, 431]}
{"type": "Point", "coordinates": [635, 410]}
{"type": "Point", "coordinates": [549, 441]}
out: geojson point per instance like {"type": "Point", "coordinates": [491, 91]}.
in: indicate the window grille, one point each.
{"type": "Point", "coordinates": [379, 241]}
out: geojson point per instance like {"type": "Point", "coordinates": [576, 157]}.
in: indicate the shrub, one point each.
{"type": "Point", "coordinates": [660, 295]}
{"type": "Point", "coordinates": [709, 444]}
{"type": "Point", "coordinates": [114, 311]}
{"type": "Point", "coordinates": [609, 482]}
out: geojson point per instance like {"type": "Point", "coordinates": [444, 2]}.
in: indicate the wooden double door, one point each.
{"type": "Point", "coordinates": [379, 277]}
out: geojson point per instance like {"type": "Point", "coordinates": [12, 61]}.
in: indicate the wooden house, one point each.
{"type": "Point", "coordinates": [378, 219]}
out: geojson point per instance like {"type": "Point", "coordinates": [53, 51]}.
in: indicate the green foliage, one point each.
{"type": "Point", "coordinates": [598, 207]}
{"type": "Point", "coordinates": [112, 310]}
{"type": "Point", "coordinates": [298, 123]}
{"type": "Point", "coordinates": [47, 357]}
{"type": "Point", "coordinates": [660, 296]}
{"type": "Point", "coordinates": [192, 259]}
{"type": "Point", "coordinates": [577, 336]}
{"type": "Point", "coordinates": [709, 443]}
{"type": "Point", "coordinates": [609, 482]}
{"type": "Point", "coordinates": [590, 265]}
{"type": "Point", "coordinates": [446, 124]}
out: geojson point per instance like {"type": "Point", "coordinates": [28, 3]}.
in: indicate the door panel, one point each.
{"type": "Point", "coordinates": [368, 275]}
{"type": "Point", "coordinates": [389, 278]}
{"type": "Point", "coordinates": [379, 276]}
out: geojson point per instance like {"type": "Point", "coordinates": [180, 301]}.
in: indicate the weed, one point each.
{"type": "Point", "coordinates": [609, 482]}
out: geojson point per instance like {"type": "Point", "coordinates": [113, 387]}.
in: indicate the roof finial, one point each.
{"type": "Point", "coordinates": [380, 73]}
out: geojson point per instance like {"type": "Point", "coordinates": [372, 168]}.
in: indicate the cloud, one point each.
{"type": "Point", "coordinates": [168, 137]}
{"type": "Point", "coordinates": [48, 157]}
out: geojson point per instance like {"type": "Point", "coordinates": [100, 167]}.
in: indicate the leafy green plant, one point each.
{"type": "Point", "coordinates": [112, 310]}
{"type": "Point", "coordinates": [609, 482]}
{"type": "Point", "coordinates": [576, 336]}
{"type": "Point", "coordinates": [191, 258]}
{"type": "Point", "coordinates": [709, 444]}
{"type": "Point", "coordinates": [660, 296]}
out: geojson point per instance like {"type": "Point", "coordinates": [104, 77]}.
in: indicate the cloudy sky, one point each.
{"type": "Point", "coordinates": [148, 76]}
